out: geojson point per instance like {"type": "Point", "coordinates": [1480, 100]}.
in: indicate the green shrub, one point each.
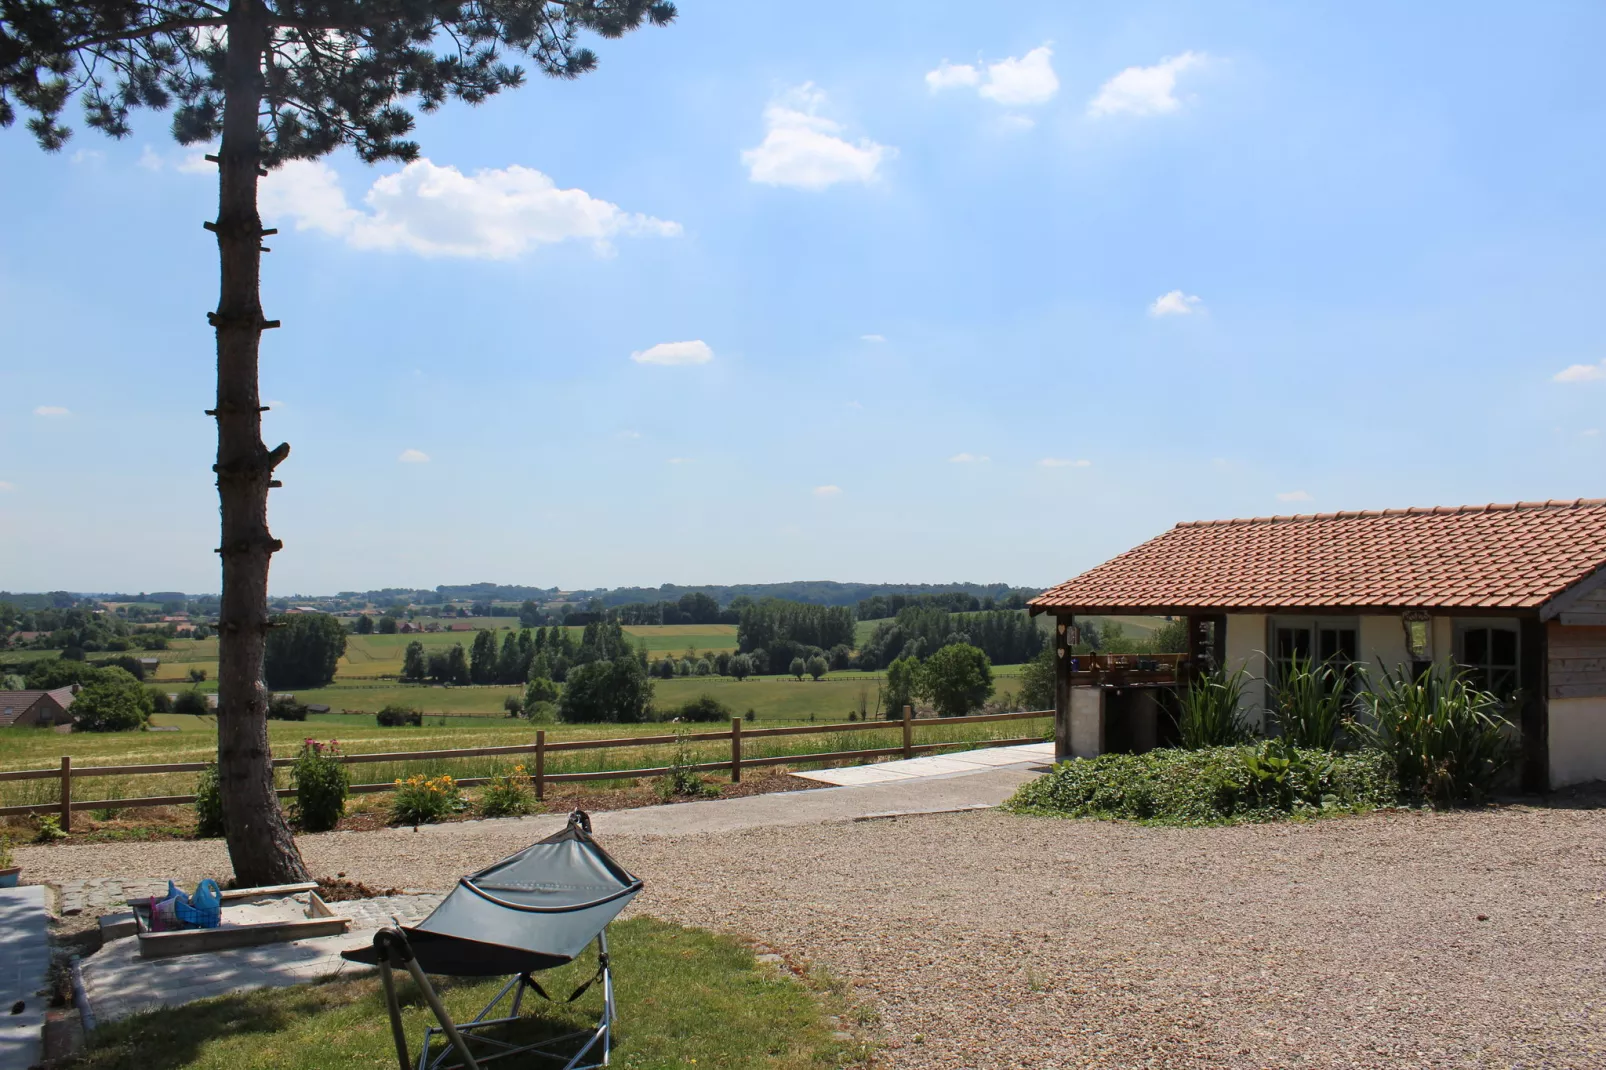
{"type": "Point", "coordinates": [113, 702]}
{"type": "Point", "coordinates": [683, 781]}
{"type": "Point", "coordinates": [399, 716]}
{"type": "Point", "coordinates": [701, 709]}
{"type": "Point", "coordinates": [956, 680]}
{"type": "Point", "coordinates": [191, 702]}
{"type": "Point", "coordinates": [1263, 782]}
{"type": "Point", "coordinates": [1210, 716]}
{"type": "Point", "coordinates": [208, 804]}
{"type": "Point", "coordinates": [1310, 702]}
{"type": "Point", "coordinates": [286, 708]}
{"type": "Point", "coordinates": [419, 799]}
{"type": "Point", "coordinates": [6, 858]}
{"type": "Point", "coordinates": [606, 692]}
{"type": "Point", "coordinates": [160, 703]}
{"type": "Point", "coordinates": [1448, 740]}
{"type": "Point", "coordinates": [508, 794]}
{"type": "Point", "coordinates": [320, 781]}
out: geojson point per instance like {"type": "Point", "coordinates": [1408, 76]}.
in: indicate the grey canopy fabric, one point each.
{"type": "Point", "coordinates": [531, 911]}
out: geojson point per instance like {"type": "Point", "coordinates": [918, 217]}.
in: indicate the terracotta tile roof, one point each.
{"type": "Point", "coordinates": [14, 704]}
{"type": "Point", "coordinates": [1470, 557]}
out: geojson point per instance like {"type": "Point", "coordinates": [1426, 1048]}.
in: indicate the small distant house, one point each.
{"type": "Point", "coordinates": [25, 637]}
{"type": "Point", "coordinates": [150, 664]}
{"type": "Point", "coordinates": [176, 618]}
{"type": "Point", "coordinates": [407, 627]}
{"type": "Point", "coordinates": [35, 708]}
{"type": "Point", "coordinates": [460, 626]}
{"type": "Point", "coordinates": [1512, 595]}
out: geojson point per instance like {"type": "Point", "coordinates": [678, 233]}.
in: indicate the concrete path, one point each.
{"type": "Point", "coordinates": [24, 970]}
{"type": "Point", "coordinates": [958, 763]}
{"type": "Point", "coordinates": [118, 982]}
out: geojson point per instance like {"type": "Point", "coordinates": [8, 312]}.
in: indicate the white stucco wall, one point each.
{"type": "Point", "coordinates": [1246, 649]}
{"type": "Point", "coordinates": [1380, 639]}
{"type": "Point", "coordinates": [1382, 644]}
{"type": "Point", "coordinates": [1577, 740]}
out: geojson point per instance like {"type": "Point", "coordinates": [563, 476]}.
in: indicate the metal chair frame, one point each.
{"type": "Point", "coordinates": [393, 943]}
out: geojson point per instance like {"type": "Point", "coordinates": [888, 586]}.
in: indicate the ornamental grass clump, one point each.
{"type": "Point", "coordinates": [1448, 741]}
{"type": "Point", "coordinates": [508, 794]}
{"type": "Point", "coordinates": [1266, 781]}
{"type": "Point", "coordinates": [1310, 702]}
{"type": "Point", "coordinates": [321, 782]}
{"type": "Point", "coordinates": [1210, 715]}
{"type": "Point", "coordinates": [419, 800]}
{"type": "Point", "coordinates": [208, 804]}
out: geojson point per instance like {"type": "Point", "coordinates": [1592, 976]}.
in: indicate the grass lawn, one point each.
{"type": "Point", "coordinates": [686, 998]}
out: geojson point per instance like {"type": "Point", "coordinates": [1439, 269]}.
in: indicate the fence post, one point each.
{"type": "Point", "coordinates": [908, 735]}
{"type": "Point", "coordinates": [540, 764]}
{"type": "Point", "coordinates": [736, 750]}
{"type": "Point", "coordinates": [66, 793]}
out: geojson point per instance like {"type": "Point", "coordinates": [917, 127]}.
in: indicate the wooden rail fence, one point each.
{"type": "Point", "coordinates": [737, 735]}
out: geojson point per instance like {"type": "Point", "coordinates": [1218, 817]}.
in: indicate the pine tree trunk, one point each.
{"type": "Point", "coordinates": [260, 845]}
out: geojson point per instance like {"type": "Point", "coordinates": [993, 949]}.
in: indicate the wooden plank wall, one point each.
{"type": "Point", "coordinates": [1577, 661]}
{"type": "Point", "coordinates": [1590, 609]}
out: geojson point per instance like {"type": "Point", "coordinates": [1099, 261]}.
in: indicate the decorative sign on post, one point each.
{"type": "Point", "coordinates": [1073, 635]}
{"type": "Point", "coordinates": [1418, 634]}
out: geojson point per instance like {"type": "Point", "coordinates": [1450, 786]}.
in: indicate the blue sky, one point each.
{"type": "Point", "coordinates": [914, 297]}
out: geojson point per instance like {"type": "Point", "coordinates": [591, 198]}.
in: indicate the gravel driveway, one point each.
{"type": "Point", "coordinates": [988, 940]}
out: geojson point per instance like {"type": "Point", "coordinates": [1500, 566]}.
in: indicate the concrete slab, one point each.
{"type": "Point", "coordinates": [934, 765]}
{"type": "Point", "coordinates": [853, 776]}
{"type": "Point", "coordinates": [118, 981]}
{"type": "Point", "coordinates": [24, 971]}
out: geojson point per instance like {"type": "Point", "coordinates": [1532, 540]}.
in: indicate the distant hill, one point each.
{"type": "Point", "coordinates": [814, 592]}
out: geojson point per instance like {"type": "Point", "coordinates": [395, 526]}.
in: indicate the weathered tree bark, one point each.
{"type": "Point", "coordinates": [260, 845]}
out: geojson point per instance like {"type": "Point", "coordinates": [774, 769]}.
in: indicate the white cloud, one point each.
{"type": "Point", "coordinates": [1064, 462]}
{"type": "Point", "coordinates": [4, 486]}
{"type": "Point", "coordinates": [854, 404]}
{"type": "Point", "coordinates": [439, 211]}
{"type": "Point", "coordinates": [968, 458]}
{"type": "Point", "coordinates": [1175, 303]}
{"type": "Point", "coordinates": [150, 159]}
{"type": "Point", "coordinates": [872, 338]}
{"type": "Point", "coordinates": [629, 434]}
{"type": "Point", "coordinates": [88, 156]}
{"type": "Point", "coordinates": [50, 410]}
{"type": "Point", "coordinates": [803, 150]}
{"type": "Point", "coordinates": [1590, 432]}
{"type": "Point", "coordinates": [1013, 82]}
{"type": "Point", "coordinates": [830, 490]}
{"type": "Point", "coordinates": [1144, 90]}
{"type": "Point", "coordinates": [1581, 373]}
{"type": "Point", "coordinates": [413, 457]}
{"type": "Point", "coordinates": [196, 163]}
{"type": "Point", "coordinates": [680, 460]}
{"type": "Point", "coordinates": [1294, 496]}
{"type": "Point", "coordinates": [1027, 80]}
{"type": "Point", "coordinates": [694, 352]}
{"type": "Point", "coordinates": [952, 76]}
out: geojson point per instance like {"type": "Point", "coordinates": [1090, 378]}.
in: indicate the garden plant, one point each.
{"type": "Point", "coordinates": [321, 782]}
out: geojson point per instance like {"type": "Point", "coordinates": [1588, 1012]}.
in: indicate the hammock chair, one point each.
{"type": "Point", "coordinates": [532, 911]}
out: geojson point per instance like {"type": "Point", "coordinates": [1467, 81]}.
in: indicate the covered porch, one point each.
{"type": "Point", "coordinates": [1123, 703]}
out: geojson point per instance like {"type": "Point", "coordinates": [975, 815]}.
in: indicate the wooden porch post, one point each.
{"type": "Point", "coordinates": [1062, 687]}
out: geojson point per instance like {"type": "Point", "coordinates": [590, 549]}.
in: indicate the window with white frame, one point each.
{"type": "Point", "coordinates": [1313, 641]}
{"type": "Point", "coordinates": [1488, 651]}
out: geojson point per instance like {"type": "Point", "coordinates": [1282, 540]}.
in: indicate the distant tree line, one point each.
{"type": "Point", "coordinates": [1007, 637]}
{"type": "Point", "coordinates": [881, 606]}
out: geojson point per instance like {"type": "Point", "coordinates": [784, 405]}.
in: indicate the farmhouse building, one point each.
{"type": "Point", "coordinates": [1514, 595]}
{"type": "Point", "coordinates": [35, 708]}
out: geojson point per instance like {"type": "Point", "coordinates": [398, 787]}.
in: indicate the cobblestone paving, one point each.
{"type": "Point", "coordinates": [104, 895]}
